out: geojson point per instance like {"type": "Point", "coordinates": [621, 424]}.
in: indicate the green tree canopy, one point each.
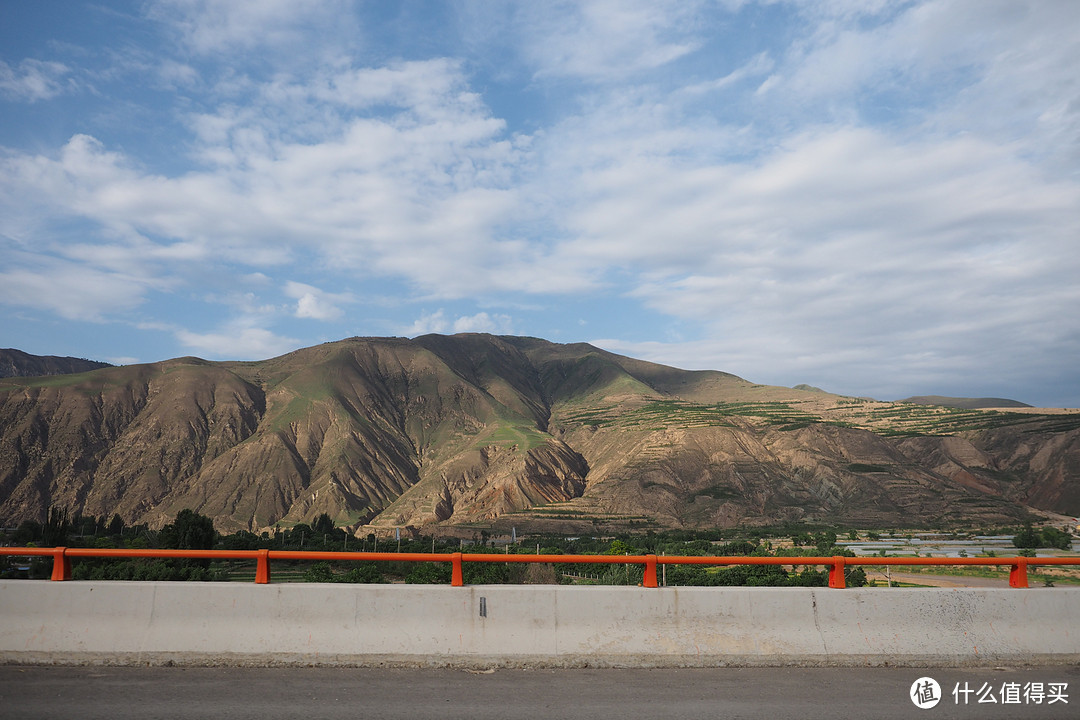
{"type": "Point", "coordinates": [190, 531]}
{"type": "Point", "coordinates": [323, 525]}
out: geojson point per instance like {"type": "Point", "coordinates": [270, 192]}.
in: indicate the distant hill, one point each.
{"type": "Point", "coordinates": [16, 363]}
{"type": "Point", "coordinates": [479, 431]}
{"type": "Point", "coordinates": [808, 388]}
{"type": "Point", "coordinates": [965, 403]}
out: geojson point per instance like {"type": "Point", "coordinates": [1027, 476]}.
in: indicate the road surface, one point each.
{"type": "Point", "coordinates": [144, 693]}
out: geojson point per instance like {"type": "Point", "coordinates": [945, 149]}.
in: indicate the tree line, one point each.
{"type": "Point", "coordinates": [191, 530]}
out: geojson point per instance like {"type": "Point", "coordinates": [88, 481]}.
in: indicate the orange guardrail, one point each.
{"type": "Point", "coordinates": [62, 560]}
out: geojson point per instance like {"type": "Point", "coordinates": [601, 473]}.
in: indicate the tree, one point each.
{"type": "Point", "coordinates": [323, 525]}
{"type": "Point", "coordinates": [191, 531]}
{"type": "Point", "coordinates": [55, 531]}
{"type": "Point", "coordinates": [1026, 538]}
{"type": "Point", "coordinates": [1054, 538]}
{"type": "Point", "coordinates": [825, 541]}
{"type": "Point", "coordinates": [618, 547]}
{"type": "Point", "coordinates": [298, 535]}
{"type": "Point", "coordinates": [27, 532]}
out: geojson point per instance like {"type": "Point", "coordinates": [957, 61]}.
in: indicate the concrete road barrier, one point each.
{"type": "Point", "coordinates": [531, 625]}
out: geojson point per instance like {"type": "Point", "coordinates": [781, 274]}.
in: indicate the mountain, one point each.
{"type": "Point", "coordinates": [811, 388]}
{"type": "Point", "coordinates": [478, 430]}
{"type": "Point", "coordinates": [965, 403]}
{"type": "Point", "coordinates": [16, 363]}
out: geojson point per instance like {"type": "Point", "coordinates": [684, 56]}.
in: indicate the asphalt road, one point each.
{"type": "Point", "coordinates": [145, 693]}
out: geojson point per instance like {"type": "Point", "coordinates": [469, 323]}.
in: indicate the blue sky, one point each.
{"type": "Point", "coordinates": [878, 198]}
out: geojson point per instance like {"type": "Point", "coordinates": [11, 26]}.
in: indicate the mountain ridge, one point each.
{"type": "Point", "coordinates": [16, 363]}
{"type": "Point", "coordinates": [474, 429]}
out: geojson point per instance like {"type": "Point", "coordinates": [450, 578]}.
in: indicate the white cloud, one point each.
{"type": "Point", "coordinates": [237, 342]}
{"type": "Point", "coordinates": [417, 193]}
{"type": "Point", "coordinates": [757, 66]}
{"type": "Point", "coordinates": [248, 308]}
{"type": "Point", "coordinates": [33, 80]}
{"type": "Point", "coordinates": [427, 323]}
{"type": "Point", "coordinates": [896, 180]}
{"type": "Point", "coordinates": [1000, 68]}
{"type": "Point", "coordinates": [175, 74]}
{"type": "Point", "coordinates": [606, 39]}
{"type": "Point", "coordinates": [310, 306]}
{"type": "Point", "coordinates": [315, 304]}
{"type": "Point", "coordinates": [482, 322]}
{"type": "Point", "coordinates": [232, 26]}
{"type": "Point", "coordinates": [68, 289]}
{"type": "Point", "coordinates": [841, 248]}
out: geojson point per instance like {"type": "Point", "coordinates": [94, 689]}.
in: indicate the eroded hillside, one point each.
{"type": "Point", "coordinates": [477, 429]}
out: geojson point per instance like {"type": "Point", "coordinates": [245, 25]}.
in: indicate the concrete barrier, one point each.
{"type": "Point", "coordinates": [531, 625]}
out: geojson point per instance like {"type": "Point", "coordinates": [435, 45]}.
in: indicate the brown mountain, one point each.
{"type": "Point", "coordinates": [16, 363]}
{"type": "Point", "coordinates": [482, 430]}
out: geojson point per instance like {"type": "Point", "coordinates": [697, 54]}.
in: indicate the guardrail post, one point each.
{"type": "Point", "coordinates": [836, 573]}
{"type": "Point", "coordinates": [456, 578]}
{"type": "Point", "coordinates": [262, 567]}
{"type": "Point", "coordinates": [1018, 574]}
{"type": "Point", "coordinates": [650, 572]}
{"type": "Point", "coordinates": [61, 564]}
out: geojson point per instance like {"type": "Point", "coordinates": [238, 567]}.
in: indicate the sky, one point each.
{"type": "Point", "coordinates": [879, 198]}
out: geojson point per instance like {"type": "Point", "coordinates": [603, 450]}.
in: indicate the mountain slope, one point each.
{"type": "Point", "coordinates": [16, 363]}
{"type": "Point", "coordinates": [472, 429]}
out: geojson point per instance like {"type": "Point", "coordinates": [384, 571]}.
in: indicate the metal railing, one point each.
{"type": "Point", "coordinates": [62, 556]}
